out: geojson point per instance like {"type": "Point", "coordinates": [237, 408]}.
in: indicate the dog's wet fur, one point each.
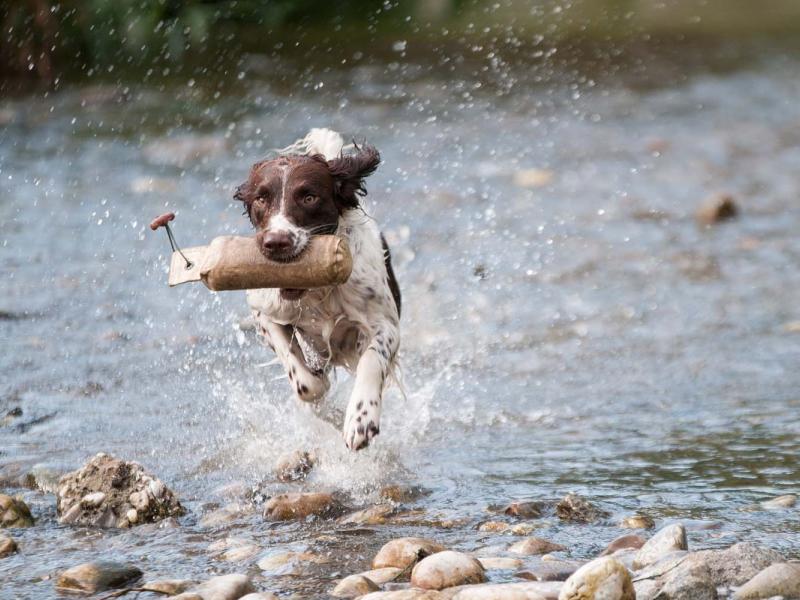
{"type": "Point", "coordinates": [289, 199]}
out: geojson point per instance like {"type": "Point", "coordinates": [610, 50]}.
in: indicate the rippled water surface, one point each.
{"type": "Point", "coordinates": [567, 326]}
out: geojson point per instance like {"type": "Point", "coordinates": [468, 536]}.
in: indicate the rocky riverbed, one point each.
{"type": "Point", "coordinates": [501, 554]}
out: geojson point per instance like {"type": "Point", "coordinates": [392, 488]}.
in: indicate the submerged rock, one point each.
{"type": "Point", "coordinates": [666, 540]}
{"type": "Point", "coordinates": [97, 576]}
{"type": "Point", "coordinates": [715, 209]}
{"type": "Point", "coordinates": [287, 507]}
{"type": "Point", "coordinates": [524, 510]}
{"type": "Point", "coordinates": [579, 510]}
{"type": "Point", "coordinates": [785, 501]}
{"type": "Point", "coordinates": [405, 552]}
{"type": "Point", "coordinates": [294, 466]}
{"type": "Point", "coordinates": [7, 546]}
{"type": "Point", "coordinates": [535, 545]}
{"type": "Point", "coordinates": [109, 492]}
{"type": "Point", "coordinates": [289, 563]}
{"type": "Point", "coordinates": [494, 527]}
{"type": "Point", "coordinates": [637, 522]}
{"type": "Point", "coordinates": [602, 579]}
{"type": "Point", "coordinates": [403, 493]}
{"type": "Point", "coordinates": [780, 579]}
{"type": "Point", "coordinates": [447, 569]}
{"type": "Point", "coordinates": [14, 512]}
{"type": "Point", "coordinates": [374, 515]}
{"type": "Point", "coordinates": [353, 586]}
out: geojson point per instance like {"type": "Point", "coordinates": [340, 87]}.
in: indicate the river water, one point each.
{"type": "Point", "coordinates": [567, 326]}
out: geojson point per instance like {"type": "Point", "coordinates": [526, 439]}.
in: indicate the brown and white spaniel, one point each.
{"type": "Point", "coordinates": [311, 188]}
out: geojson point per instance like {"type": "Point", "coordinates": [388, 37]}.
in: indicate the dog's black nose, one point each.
{"type": "Point", "coordinates": [278, 241]}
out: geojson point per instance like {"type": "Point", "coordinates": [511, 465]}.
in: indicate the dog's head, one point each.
{"type": "Point", "coordinates": [291, 198]}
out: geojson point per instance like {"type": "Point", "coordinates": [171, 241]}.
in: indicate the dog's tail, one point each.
{"type": "Point", "coordinates": [319, 140]}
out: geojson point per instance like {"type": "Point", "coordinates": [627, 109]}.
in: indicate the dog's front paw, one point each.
{"type": "Point", "coordinates": [361, 423]}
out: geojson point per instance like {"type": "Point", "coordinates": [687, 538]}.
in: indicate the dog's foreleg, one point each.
{"type": "Point", "coordinates": [362, 420]}
{"type": "Point", "coordinates": [308, 385]}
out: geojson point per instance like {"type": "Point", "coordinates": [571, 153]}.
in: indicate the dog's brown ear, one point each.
{"type": "Point", "coordinates": [349, 172]}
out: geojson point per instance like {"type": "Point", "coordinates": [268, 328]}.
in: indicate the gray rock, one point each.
{"type": "Point", "coordinates": [550, 570]}
{"type": "Point", "coordinates": [14, 512]}
{"type": "Point", "coordinates": [688, 581]}
{"type": "Point", "coordinates": [780, 579]}
{"type": "Point", "coordinates": [666, 540]}
{"type": "Point", "coordinates": [576, 509]}
{"type": "Point", "coordinates": [7, 546]}
{"type": "Point", "coordinates": [97, 576]}
{"type": "Point", "coordinates": [737, 564]}
{"type": "Point", "coordinates": [109, 492]}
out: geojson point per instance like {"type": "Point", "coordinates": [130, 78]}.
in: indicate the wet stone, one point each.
{"type": "Point", "coordinates": [508, 591]}
{"type": "Point", "coordinates": [7, 546]}
{"type": "Point", "coordinates": [222, 516]}
{"type": "Point", "coordinates": [171, 587]}
{"type": "Point", "coordinates": [374, 515]}
{"type": "Point", "coordinates": [407, 594]}
{"type": "Point", "coordinates": [14, 512]}
{"type": "Point", "coordinates": [353, 586]}
{"type": "Point", "coordinates": [666, 540]}
{"type": "Point", "coordinates": [550, 570]}
{"type": "Point", "coordinates": [535, 545]}
{"type": "Point", "coordinates": [602, 579]}
{"type": "Point", "coordinates": [524, 510]}
{"type": "Point", "coordinates": [260, 596]}
{"type": "Point", "coordinates": [785, 501]}
{"type": "Point", "coordinates": [737, 564]}
{"type": "Point", "coordinates": [287, 507]}
{"type": "Point", "coordinates": [624, 542]}
{"type": "Point", "coordinates": [109, 492]}
{"type": "Point", "coordinates": [405, 552]}
{"type": "Point", "coordinates": [494, 527]}
{"type": "Point", "coordinates": [97, 576]}
{"type": "Point", "coordinates": [447, 569]}
{"type": "Point", "coordinates": [383, 575]}
{"type": "Point", "coordinates": [224, 587]}
{"type": "Point", "coordinates": [684, 580]}
{"type": "Point", "coordinates": [576, 509]}
{"type": "Point", "coordinates": [780, 579]}
{"type": "Point", "coordinates": [498, 563]}
{"type": "Point", "coordinates": [294, 466]}
{"type": "Point", "coordinates": [637, 522]}
{"type": "Point", "coordinates": [403, 493]}
{"type": "Point", "coordinates": [289, 563]}
{"type": "Point", "coordinates": [715, 209]}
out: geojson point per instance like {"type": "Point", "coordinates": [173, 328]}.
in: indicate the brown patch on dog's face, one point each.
{"type": "Point", "coordinates": [291, 198]}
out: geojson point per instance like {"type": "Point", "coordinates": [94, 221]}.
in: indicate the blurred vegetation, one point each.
{"type": "Point", "coordinates": [42, 37]}
{"type": "Point", "coordinates": [48, 40]}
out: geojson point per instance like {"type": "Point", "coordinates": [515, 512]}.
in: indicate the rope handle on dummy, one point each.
{"type": "Point", "coordinates": [232, 262]}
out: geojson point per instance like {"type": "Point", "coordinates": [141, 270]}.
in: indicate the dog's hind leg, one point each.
{"type": "Point", "coordinates": [308, 384]}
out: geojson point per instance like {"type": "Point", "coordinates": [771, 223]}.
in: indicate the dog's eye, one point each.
{"type": "Point", "coordinates": [310, 199]}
